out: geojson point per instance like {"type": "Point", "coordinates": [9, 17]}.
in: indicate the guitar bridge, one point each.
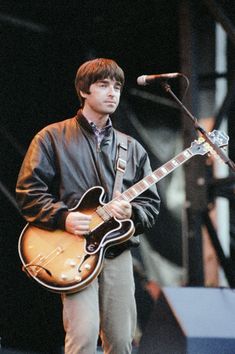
{"type": "Point", "coordinates": [33, 271]}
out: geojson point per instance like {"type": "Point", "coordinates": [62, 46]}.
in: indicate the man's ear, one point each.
{"type": "Point", "coordinates": [83, 94]}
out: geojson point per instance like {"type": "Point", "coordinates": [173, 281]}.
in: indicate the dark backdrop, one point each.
{"type": "Point", "coordinates": [42, 45]}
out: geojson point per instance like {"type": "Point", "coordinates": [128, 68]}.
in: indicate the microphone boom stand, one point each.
{"type": "Point", "coordinates": [206, 136]}
{"type": "Point", "coordinates": [225, 262]}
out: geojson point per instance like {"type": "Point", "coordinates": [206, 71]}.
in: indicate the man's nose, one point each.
{"type": "Point", "coordinates": [111, 90]}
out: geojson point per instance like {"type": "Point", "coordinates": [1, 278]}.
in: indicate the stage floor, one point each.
{"type": "Point", "coordinates": [15, 351]}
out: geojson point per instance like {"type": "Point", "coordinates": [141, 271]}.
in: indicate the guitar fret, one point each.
{"type": "Point", "coordinates": [129, 194]}
{"type": "Point", "coordinates": [159, 174]}
{"type": "Point", "coordinates": [180, 158]}
{"type": "Point", "coordinates": [108, 212]}
{"type": "Point", "coordinates": [186, 153]}
{"type": "Point", "coordinates": [144, 184]}
{"type": "Point", "coordinates": [124, 196]}
{"type": "Point", "coordinates": [163, 169]}
{"type": "Point", "coordinates": [103, 213]}
{"type": "Point", "coordinates": [183, 156]}
{"type": "Point", "coordinates": [169, 166]}
{"type": "Point", "coordinates": [133, 192]}
{"type": "Point", "coordinates": [138, 188]}
{"type": "Point", "coordinates": [151, 179]}
{"type": "Point", "coordinates": [175, 162]}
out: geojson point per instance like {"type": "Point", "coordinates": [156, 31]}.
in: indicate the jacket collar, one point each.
{"type": "Point", "coordinates": [87, 126]}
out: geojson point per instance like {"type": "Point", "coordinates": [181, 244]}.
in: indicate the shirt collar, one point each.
{"type": "Point", "coordinates": [103, 129]}
{"type": "Point", "coordinates": [91, 126]}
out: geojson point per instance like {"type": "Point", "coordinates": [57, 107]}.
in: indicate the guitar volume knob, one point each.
{"type": "Point", "coordinates": [72, 263]}
{"type": "Point", "coordinates": [64, 276]}
{"type": "Point", "coordinates": [87, 266]}
{"type": "Point", "coordinates": [78, 278]}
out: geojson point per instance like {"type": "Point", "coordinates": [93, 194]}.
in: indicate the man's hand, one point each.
{"type": "Point", "coordinates": [77, 223]}
{"type": "Point", "coordinates": [121, 209]}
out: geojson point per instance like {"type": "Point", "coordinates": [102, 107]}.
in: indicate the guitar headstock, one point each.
{"type": "Point", "coordinates": [202, 147]}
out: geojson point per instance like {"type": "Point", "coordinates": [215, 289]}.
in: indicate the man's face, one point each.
{"type": "Point", "coordinates": [104, 96]}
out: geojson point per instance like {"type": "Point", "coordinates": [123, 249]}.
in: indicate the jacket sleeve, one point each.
{"type": "Point", "coordinates": [145, 207]}
{"type": "Point", "coordinates": [37, 203]}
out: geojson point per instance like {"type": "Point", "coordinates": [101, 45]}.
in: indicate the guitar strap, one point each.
{"type": "Point", "coordinates": [122, 144]}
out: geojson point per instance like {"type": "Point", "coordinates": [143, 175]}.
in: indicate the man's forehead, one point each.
{"type": "Point", "coordinates": [109, 79]}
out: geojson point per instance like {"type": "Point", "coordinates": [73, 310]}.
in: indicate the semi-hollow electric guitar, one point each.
{"type": "Point", "coordinates": [67, 263]}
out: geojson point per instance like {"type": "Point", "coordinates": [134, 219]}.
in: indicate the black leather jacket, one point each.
{"type": "Point", "coordinates": [64, 161]}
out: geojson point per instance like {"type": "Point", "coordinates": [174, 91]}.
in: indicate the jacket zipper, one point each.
{"type": "Point", "coordinates": [98, 146]}
{"type": "Point", "coordinates": [99, 165]}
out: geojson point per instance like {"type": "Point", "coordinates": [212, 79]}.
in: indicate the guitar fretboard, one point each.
{"type": "Point", "coordinates": [156, 176]}
{"type": "Point", "coordinates": [198, 147]}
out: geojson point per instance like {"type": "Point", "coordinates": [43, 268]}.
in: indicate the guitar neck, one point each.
{"type": "Point", "coordinates": [199, 147]}
{"type": "Point", "coordinates": [156, 176]}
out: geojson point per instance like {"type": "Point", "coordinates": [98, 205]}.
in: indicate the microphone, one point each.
{"type": "Point", "coordinates": [149, 79]}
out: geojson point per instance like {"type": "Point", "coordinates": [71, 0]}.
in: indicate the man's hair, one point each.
{"type": "Point", "coordinates": [94, 70]}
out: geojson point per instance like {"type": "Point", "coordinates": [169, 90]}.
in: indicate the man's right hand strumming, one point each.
{"type": "Point", "coordinates": [77, 223]}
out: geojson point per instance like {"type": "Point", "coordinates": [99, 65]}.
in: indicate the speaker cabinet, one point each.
{"type": "Point", "coordinates": [191, 321]}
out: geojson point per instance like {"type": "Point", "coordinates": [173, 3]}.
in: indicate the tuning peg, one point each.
{"type": "Point", "coordinates": [201, 139]}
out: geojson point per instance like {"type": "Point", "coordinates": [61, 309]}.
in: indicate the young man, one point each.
{"type": "Point", "coordinates": [64, 160]}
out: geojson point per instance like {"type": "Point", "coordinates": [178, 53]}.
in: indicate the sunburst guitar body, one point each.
{"type": "Point", "coordinates": [66, 263]}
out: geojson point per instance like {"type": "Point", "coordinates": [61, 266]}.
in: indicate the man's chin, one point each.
{"type": "Point", "coordinates": [110, 111]}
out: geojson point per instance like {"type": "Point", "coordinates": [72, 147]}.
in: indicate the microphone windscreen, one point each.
{"type": "Point", "coordinates": [141, 80]}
